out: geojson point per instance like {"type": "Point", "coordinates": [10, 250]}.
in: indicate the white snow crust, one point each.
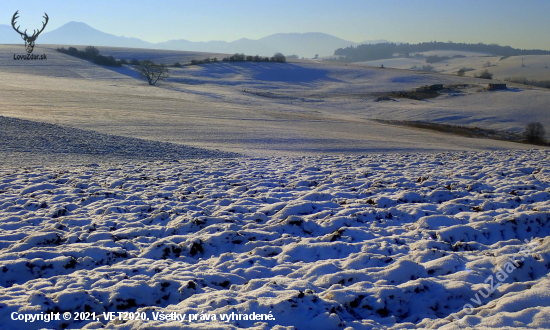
{"type": "Point", "coordinates": [388, 241]}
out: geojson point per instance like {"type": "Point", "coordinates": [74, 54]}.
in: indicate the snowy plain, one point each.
{"type": "Point", "coordinates": [266, 188]}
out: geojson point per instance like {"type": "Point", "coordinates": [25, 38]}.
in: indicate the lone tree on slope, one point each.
{"type": "Point", "coordinates": [534, 132]}
{"type": "Point", "coordinates": [152, 72]}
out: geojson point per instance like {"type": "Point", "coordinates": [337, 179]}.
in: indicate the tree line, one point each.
{"type": "Point", "coordinates": [91, 53]}
{"type": "Point", "coordinates": [386, 50]}
{"type": "Point", "coordinates": [278, 57]}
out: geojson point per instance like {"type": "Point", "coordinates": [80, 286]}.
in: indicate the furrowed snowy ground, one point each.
{"type": "Point", "coordinates": [394, 241]}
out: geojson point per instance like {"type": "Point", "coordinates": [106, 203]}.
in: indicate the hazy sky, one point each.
{"type": "Point", "coordinates": [519, 23]}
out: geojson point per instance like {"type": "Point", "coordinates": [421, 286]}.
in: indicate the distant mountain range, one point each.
{"type": "Point", "coordinates": [301, 44]}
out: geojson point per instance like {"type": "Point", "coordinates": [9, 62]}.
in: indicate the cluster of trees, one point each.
{"type": "Point", "coordinates": [91, 53]}
{"type": "Point", "coordinates": [278, 57]}
{"type": "Point", "coordinates": [386, 50]}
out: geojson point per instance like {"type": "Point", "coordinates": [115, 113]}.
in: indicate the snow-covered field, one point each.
{"type": "Point", "coordinates": [535, 67]}
{"type": "Point", "coordinates": [116, 196]}
{"type": "Point", "coordinates": [395, 241]}
{"type": "Point", "coordinates": [260, 109]}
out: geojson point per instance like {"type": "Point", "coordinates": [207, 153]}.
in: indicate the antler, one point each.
{"type": "Point", "coordinates": [35, 34]}
{"type": "Point", "coordinates": [17, 28]}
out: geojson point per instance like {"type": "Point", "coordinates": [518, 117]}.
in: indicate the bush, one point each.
{"type": "Point", "coordinates": [461, 72]}
{"type": "Point", "coordinates": [278, 57]}
{"type": "Point", "coordinates": [123, 61]}
{"type": "Point", "coordinates": [72, 51]}
{"type": "Point", "coordinates": [177, 65]}
{"type": "Point", "coordinates": [91, 52]}
{"type": "Point", "coordinates": [106, 60]}
{"type": "Point", "coordinates": [134, 62]}
{"type": "Point", "coordinates": [534, 132]}
{"type": "Point", "coordinates": [485, 74]}
{"type": "Point", "coordinates": [237, 58]}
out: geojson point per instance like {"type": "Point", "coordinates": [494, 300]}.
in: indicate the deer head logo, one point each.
{"type": "Point", "coordinates": [29, 40]}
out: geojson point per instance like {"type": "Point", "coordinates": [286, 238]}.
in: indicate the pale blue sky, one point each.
{"type": "Point", "coordinates": [519, 23]}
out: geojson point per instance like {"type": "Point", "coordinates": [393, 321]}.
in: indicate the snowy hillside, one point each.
{"type": "Point", "coordinates": [534, 67]}
{"type": "Point", "coordinates": [260, 109]}
{"type": "Point", "coordinates": [395, 241]}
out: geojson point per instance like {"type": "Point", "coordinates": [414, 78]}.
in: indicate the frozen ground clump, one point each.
{"type": "Point", "coordinates": [400, 241]}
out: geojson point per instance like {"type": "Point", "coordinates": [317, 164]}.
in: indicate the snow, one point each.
{"type": "Point", "coordinates": [533, 67]}
{"type": "Point", "coordinates": [259, 109]}
{"type": "Point", "coordinates": [339, 242]}
{"type": "Point", "coordinates": [237, 191]}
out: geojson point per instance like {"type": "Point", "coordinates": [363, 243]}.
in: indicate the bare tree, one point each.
{"type": "Point", "coordinates": [152, 72]}
{"type": "Point", "coordinates": [534, 132]}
